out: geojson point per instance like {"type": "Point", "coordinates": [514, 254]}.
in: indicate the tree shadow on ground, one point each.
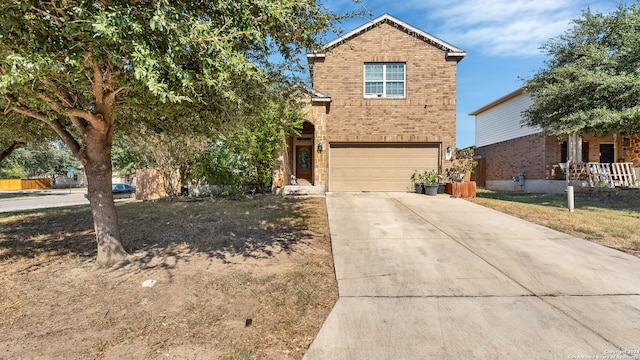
{"type": "Point", "coordinates": [163, 233]}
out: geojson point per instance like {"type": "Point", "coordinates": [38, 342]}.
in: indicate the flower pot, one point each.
{"type": "Point", "coordinates": [431, 189]}
{"type": "Point", "coordinates": [461, 189]}
{"type": "Point", "coordinates": [441, 188]}
{"type": "Point", "coordinates": [419, 187]}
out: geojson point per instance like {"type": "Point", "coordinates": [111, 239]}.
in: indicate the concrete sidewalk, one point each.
{"type": "Point", "coordinates": [435, 277]}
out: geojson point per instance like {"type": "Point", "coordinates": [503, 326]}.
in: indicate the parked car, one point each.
{"type": "Point", "coordinates": [121, 191]}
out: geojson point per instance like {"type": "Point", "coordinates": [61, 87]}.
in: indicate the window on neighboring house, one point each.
{"type": "Point", "coordinates": [384, 80]}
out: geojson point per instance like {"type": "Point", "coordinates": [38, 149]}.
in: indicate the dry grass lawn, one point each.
{"type": "Point", "coordinates": [236, 279]}
{"type": "Point", "coordinates": [609, 221]}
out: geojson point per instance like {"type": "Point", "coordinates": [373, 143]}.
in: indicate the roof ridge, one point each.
{"type": "Point", "coordinates": [452, 51]}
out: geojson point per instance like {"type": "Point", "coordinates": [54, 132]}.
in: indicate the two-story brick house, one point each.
{"type": "Point", "coordinates": [383, 105]}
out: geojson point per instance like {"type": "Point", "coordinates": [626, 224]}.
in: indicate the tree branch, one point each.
{"type": "Point", "coordinates": [110, 97]}
{"type": "Point", "coordinates": [30, 113]}
{"type": "Point", "coordinates": [62, 95]}
{"type": "Point", "coordinates": [75, 115]}
{"type": "Point", "coordinates": [11, 149]}
{"type": "Point", "coordinates": [55, 124]}
{"type": "Point", "coordinates": [96, 80]}
{"type": "Point", "coordinates": [94, 120]}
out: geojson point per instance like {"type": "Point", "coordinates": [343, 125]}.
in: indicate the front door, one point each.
{"type": "Point", "coordinates": [607, 153]}
{"type": "Point", "coordinates": [304, 163]}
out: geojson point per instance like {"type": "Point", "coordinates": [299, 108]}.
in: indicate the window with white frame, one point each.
{"type": "Point", "coordinates": [384, 80]}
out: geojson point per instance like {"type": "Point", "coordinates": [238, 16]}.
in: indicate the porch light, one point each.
{"type": "Point", "coordinates": [448, 155]}
{"type": "Point", "coordinates": [320, 146]}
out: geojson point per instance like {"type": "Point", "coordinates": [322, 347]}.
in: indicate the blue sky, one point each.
{"type": "Point", "coordinates": [501, 37]}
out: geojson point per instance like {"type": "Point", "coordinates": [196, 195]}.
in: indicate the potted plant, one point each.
{"type": "Point", "coordinates": [431, 182]}
{"type": "Point", "coordinates": [418, 181]}
{"type": "Point", "coordinates": [443, 179]}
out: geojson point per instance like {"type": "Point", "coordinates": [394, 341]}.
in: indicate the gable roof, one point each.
{"type": "Point", "coordinates": [451, 52]}
{"type": "Point", "coordinates": [498, 102]}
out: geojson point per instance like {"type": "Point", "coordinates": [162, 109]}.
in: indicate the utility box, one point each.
{"type": "Point", "coordinates": [519, 180]}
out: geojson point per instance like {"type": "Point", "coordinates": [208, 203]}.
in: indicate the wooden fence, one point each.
{"type": "Point", "coordinates": [24, 184]}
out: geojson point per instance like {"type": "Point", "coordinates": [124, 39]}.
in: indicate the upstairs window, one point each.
{"type": "Point", "coordinates": [384, 80]}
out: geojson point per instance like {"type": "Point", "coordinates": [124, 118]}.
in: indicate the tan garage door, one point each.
{"type": "Point", "coordinates": [378, 167]}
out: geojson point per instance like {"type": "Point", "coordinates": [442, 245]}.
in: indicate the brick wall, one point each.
{"type": "Point", "coordinates": [528, 154]}
{"type": "Point", "coordinates": [430, 81]}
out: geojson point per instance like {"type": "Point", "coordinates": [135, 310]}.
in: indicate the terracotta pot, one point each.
{"type": "Point", "coordinates": [461, 189]}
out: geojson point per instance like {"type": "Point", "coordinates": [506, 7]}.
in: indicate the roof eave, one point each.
{"type": "Point", "coordinates": [457, 56]}
{"type": "Point", "coordinates": [312, 57]}
{"type": "Point", "coordinates": [495, 103]}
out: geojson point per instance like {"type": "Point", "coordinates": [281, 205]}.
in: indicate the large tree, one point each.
{"type": "Point", "coordinates": [591, 81]}
{"type": "Point", "coordinates": [85, 67]}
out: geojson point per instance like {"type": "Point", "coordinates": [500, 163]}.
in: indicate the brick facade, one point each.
{"type": "Point", "coordinates": [426, 115]}
{"type": "Point", "coordinates": [538, 155]}
{"type": "Point", "coordinates": [528, 154]}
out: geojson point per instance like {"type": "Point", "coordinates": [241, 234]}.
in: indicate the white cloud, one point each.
{"type": "Point", "coordinates": [502, 27]}
{"type": "Point", "coordinates": [491, 27]}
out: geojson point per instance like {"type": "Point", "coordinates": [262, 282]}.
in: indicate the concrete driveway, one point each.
{"type": "Point", "coordinates": [436, 277]}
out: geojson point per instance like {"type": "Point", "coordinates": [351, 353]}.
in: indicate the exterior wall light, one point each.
{"type": "Point", "coordinates": [448, 155]}
{"type": "Point", "coordinates": [320, 146]}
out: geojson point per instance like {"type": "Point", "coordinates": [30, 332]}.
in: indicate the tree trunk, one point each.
{"type": "Point", "coordinates": [96, 129]}
{"type": "Point", "coordinates": [105, 219]}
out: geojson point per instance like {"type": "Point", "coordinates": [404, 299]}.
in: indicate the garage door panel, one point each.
{"type": "Point", "coordinates": [378, 167]}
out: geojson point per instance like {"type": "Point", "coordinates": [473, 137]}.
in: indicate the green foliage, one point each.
{"type": "Point", "coordinates": [431, 177]}
{"type": "Point", "coordinates": [125, 156]}
{"type": "Point", "coordinates": [28, 131]}
{"type": "Point", "coordinates": [462, 164]}
{"type": "Point", "coordinates": [425, 177]}
{"type": "Point", "coordinates": [244, 158]}
{"type": "Point", "coordinates": [44, 161]}
{"type": "Point", "coordinates": [180, 66]}
{"type": "Point", "coordinates": [201, 52]}
{"type": "Point", "coordinates": [591, 83]}
{"type": "Point", "coordinates": [223, 165]}
{"type": "Point", "coordinates": [12, 170]}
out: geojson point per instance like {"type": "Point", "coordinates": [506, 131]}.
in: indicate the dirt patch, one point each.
{"type": "Point", "coordinates": [247, 279]}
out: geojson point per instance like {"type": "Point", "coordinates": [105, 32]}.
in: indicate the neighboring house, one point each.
{"type": "Point", "coordinates": [506, 148]}
{"type": "Point", "coordinates": [383, 105]}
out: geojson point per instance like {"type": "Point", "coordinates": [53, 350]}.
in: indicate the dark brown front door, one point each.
{"type": "Point", "coordinates": [304, 163]}
{"type": "Point", "coordinates": [607, 153]}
